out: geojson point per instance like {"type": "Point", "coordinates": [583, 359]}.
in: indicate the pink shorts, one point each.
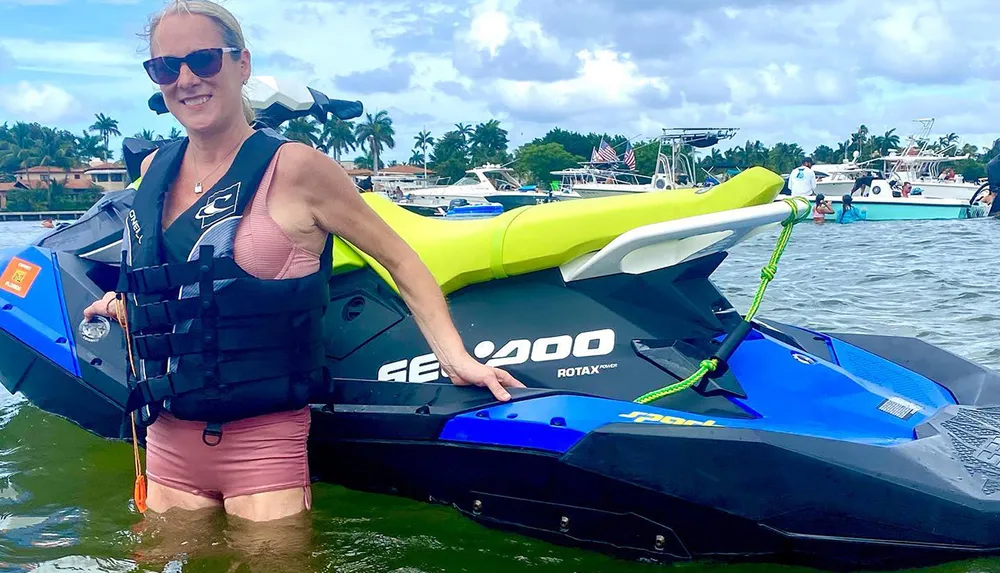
{"type": "Point", "coordinates": [256, 455]}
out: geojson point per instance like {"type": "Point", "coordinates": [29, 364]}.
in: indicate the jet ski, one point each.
{"type": "Point", "coordinates": [835, 450]}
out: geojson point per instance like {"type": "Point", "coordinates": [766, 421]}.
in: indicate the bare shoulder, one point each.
{"type": "Point", "coordinates": [309, 171]}
{"type": "Point", "coordinates": [146, 161]}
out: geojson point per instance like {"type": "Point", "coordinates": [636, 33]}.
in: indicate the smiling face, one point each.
{"type": "Point", "coordinates": [201, 105]}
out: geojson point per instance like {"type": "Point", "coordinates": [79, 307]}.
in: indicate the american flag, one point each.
{"type": "Point", "coordinates": [606, 152]}
{"type": "Point", "coordinates": [629, 157]}
{"type": "Point", "coordinates": [594, 157]}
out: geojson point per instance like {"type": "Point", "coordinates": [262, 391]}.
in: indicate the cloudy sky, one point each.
{"type": "Point", "coordinates": [808, 71]}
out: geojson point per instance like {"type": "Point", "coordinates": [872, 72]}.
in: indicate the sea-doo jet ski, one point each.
{"type": "Point", "coordinates": [836, 450]}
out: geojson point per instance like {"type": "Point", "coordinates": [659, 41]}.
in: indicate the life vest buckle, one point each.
{"type": "Point", "coordinates": [214, 430]}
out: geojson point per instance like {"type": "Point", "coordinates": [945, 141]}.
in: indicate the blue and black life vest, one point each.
{"type": "Point", "coordinates": [209, 341]}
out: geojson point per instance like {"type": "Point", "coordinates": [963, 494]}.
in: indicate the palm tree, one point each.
{"type": "Point", "coordinates": [106, 127]}
{"type": "Point", "coordinates": [338, 136]}
{"type": "Point", "coordinates": [303, 130]}
{"type": "Point", "coordinates": [174, 133]}
{"type": "Point", "coordinates": [489, 142]}
{"type": "Point", "coordinates": [416, 159]}
{"type": "Point", "coordinates": [947, 141]}
{"type": "Point", "coordinates": [377, 132]}
{"type": "Point", "coordinates": [464, 130]}
{"type": "Point", "coordinates": [89, 146]}
{"type": "Point", "coordinates": [890, 140]}
{"type": "Point", "coordinates": [424, 139]}
{"type": "Point", "coordinates": [146, 134]}
{"type": "Point", "coordinates": [52, 150]}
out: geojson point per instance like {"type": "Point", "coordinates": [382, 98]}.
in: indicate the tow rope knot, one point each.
{"type": "Point", "coordinates": [768, 271]}
{"type": "Point", "coordinates": [710, 364]}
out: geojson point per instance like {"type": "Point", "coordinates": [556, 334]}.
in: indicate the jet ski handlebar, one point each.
{"type": "Point", "coordinates": [279, 110]}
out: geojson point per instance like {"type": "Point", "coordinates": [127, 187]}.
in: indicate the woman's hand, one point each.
{"type": "Point", "coordinates": [105, 306]}
{"type": "Point", "coordinates": [467, 371]}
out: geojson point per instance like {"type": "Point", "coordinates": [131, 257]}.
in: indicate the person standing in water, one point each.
{"type": "Point", "coordinates": [849, 213]}
{"type": "Point", "coordinates": [268, 208]}
{"type": "Point", "coordinates": [822, 209]}
{"type": "Point", "coordinates": [802, 180]}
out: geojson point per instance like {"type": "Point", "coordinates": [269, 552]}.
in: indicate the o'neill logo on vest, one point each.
{"type": "Point", "coordinates": [219, 205]}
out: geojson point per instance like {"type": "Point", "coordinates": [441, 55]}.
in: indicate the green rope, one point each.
{"type": "Point", "coordinates": [767, 274]}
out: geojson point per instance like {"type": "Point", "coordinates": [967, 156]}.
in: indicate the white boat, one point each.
{"type": "Point", "coordinates": [673, 172]}
{"type": "Point", "coordinates": [595, 180]}
{"type": "Point", "coordinates": [837, 179]}
{"type": "Point", "coordinates": [489, 183]}
{"type": "Point", "coordinates": [921, 167]}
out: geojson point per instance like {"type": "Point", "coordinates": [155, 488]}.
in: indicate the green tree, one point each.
{"type": "Point", "coordinates": [538, 161]}
{"type": "Point", "coordinates": [377, 133]}
{"type": "Point", "coordinates": [106, 127]}
{"type": "Point", "coordinates": [422, 141]}
{"type": "Point", "coordinates": [90, 147]}
{"type": "Point", "coordinates": [303, 130]}
{"type": "Point", "coordinates": [53, 149]}
{"type": "Point", "coordinates": [489, 143]}
{"type": "Point", "coordinates": [464, 130]}
{"type": "Point", "coordinates": [338, 137]}
{"type": "Point", "coordinates": [825, 154]}
{"type": "Point", "coordinates": [451, 156]}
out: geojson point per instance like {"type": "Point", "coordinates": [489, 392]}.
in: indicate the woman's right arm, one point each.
{"type": "Point", "coordinates": [108, 305]}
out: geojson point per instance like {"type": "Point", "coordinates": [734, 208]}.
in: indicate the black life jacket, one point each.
{"type": "Point", "coordinates": [209, 341]}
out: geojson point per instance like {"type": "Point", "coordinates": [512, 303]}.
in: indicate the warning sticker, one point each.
{"type": "Point", "coordinates": [18, 277]}
{"type": "Point", "coordinates": [899, 408]}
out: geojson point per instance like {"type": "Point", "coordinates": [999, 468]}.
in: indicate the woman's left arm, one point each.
{"type": "Point", "coordinates": [338, 208]}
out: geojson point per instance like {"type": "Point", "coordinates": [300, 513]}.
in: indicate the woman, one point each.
{"type": "Point", "coordinates": [849, 213]}
{"type": "Point", "coordinates": [298, 199]}
{"type": "Point", "coordinates": [822, 209]}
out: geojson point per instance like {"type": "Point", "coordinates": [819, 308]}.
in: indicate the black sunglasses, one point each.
{"type": "Point", "coordinates": [203, 63]}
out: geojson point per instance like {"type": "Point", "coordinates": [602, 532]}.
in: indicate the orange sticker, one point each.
{"type": "Point", "coordinates": [18, 277]}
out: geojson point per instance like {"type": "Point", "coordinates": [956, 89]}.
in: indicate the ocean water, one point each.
{"type": "Point", "coordinates": [64, 493]}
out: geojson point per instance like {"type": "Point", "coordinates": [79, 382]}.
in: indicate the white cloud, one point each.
{"type": "Point", "coordinates": [43, 103]}
{"type": "Point", "coordinates": [86, 58]}
{"type": "Point", "coordinates": [803, 70]}
{"type": "Point", "coordinates": [606, 78]}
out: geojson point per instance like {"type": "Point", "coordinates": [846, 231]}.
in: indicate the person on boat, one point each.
{"type": "Point", "coordinates": [822, 209]}
{"type": "Point", "coordinates": [802, 180]}
{"type": "Point", "coordinates": [849, 213]}
{"type": "Point", "coordinates": [863, 184]}
{"type": "Point", "coordinates": [283, 202]}
{"type": "Point", "coordinates": [906, 189]}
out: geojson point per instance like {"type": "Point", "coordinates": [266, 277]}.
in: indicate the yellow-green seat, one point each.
{"type": "Point", "coordinates": [529, 239]}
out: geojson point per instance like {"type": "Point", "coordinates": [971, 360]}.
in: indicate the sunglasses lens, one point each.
{"type": "Point", "coordinates": [205, 63]}
{"type": "Point", "coordinates": [161, 71]}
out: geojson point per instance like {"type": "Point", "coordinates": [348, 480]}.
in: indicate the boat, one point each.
{"type": "Point", "coordinates": [913, 208]}
{"type": "Point", "coordinates": [597, 179]}
{"type": "Point", "coordinates": [922, 168]}
{"type": "Point", "coordinates": [658, 423]}
{"type": "Point", "coordinates": [884, 201]}
{"type": "Point", "coordinates": [675, 166]}
{"type": "Point", "coordinates": [489, 183]}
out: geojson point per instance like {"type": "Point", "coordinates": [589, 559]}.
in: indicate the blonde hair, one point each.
{"type": "Point", "coordinates": [229, 28]}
